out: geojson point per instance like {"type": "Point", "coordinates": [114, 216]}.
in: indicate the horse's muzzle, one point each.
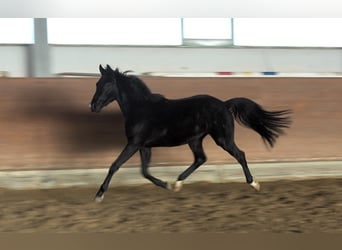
{"type": "Point", "coordinates": [92, 107]}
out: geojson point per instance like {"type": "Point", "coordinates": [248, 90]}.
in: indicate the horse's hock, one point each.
{"type": "Point", "coordinates": [47, 124]}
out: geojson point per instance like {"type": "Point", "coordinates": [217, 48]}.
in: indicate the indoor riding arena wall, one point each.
{"type": "Point", "coordinates": [47, 124]}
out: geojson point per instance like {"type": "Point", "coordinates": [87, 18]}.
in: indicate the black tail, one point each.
{"type": "Point", "coordinates": [268, 124]}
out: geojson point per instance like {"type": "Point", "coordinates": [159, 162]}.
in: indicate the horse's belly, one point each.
{"type": "Point", "coordinates": [169, 138]}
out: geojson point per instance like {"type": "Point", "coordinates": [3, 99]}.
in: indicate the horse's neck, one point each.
{"type": "Point", "coordinates": [128, 102]}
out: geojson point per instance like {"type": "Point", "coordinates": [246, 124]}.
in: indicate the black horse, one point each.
{"type": "Point", "coordinates": [152, 120]}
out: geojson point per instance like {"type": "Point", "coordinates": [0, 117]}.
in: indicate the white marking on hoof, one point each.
{"type": "Point", "coordinates": [255, 185]}
{"type": "Point", "coordinates": [178, 186]}
{"type": "Point", "coordinates": [169, 186]}
{"type": "Point", "coordinates": [99, 199]}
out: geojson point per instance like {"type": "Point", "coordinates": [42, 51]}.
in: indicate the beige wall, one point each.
{"type": "Point", "coordinates": [17, 61]}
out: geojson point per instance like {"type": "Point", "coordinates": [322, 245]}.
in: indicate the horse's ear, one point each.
{"type": "Point", "coordinates": [102, 70]}
{"type": "Point", "coordinates": [109, 69]}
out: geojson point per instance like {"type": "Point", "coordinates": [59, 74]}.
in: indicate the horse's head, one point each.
{"type": "Point", "coordinates": [106, 89]}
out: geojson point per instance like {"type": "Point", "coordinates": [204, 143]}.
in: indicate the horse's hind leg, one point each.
{"type": "Point", "coordinates": [145, 155]}
{"type": "Point", "coordinates": [199, 155]}
{"type": "Point", "coordinates": [228, 144]}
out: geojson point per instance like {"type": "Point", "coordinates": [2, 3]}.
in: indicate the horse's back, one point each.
{"type": "Point", "coordinates": [195, 102]}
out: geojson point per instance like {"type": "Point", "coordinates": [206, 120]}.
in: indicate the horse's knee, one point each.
{"type": "Point", "coordinates": [201, 160]}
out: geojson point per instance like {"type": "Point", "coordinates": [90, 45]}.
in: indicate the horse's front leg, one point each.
{"type": "Point", "coordinates": [127, 153]}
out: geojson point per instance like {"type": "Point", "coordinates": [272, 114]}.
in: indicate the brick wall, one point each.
{"type": "Point", "coordinates": [46, 123]}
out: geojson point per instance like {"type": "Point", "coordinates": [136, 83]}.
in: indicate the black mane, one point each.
{"type": "Point", "coordinates": [134, 85]}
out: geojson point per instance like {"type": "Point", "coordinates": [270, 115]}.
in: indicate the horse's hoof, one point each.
{"type": "Point", "coordinates": [98, 199]}
{"type": "Point", "coordinates": [178, 186]}
{"type": "Point", "coordinates": [255, 185]}
{"type": "Point", "coordinates": [169, 186]}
